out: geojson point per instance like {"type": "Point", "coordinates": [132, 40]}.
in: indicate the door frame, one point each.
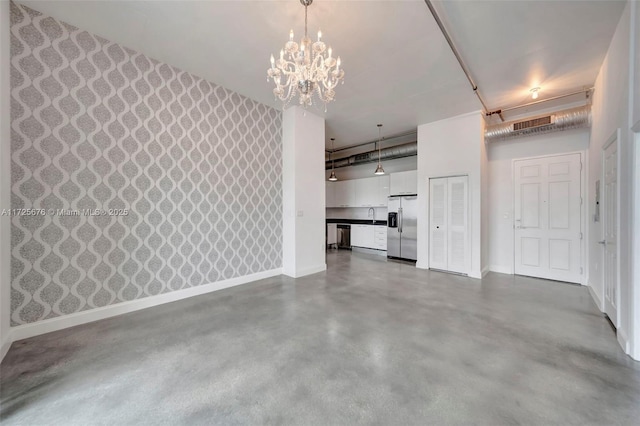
{"type": "Point", "coordinates": [614, 138]}
{"type": "Point", "coordinates": [583, 208]}
{"type": "Point", "coordinates": [469, 239]}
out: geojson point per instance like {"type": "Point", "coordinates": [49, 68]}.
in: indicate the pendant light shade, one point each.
{"type": "Point", "coordinates": [379, 169]}
{"type": "Point", "coordinates": [333, 176]}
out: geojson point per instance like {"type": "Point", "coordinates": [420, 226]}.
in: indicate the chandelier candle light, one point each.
{"type": "Point", "coordinates": [305, 69]}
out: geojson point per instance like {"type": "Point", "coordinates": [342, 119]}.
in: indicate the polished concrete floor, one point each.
{"type": "Point", "coordinates": [369, 341]}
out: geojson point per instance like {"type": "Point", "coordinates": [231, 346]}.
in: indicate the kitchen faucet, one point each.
{"type": "Point", "coordinates": [373, 214]}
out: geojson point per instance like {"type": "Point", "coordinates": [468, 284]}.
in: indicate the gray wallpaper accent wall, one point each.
{"type": "Point", "coordinates": [98, 126]}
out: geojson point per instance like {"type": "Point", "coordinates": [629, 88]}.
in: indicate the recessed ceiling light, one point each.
{"type": "Point", "coordinates": [534, 92]}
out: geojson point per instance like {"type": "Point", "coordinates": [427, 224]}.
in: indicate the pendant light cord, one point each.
{"type": "Point", "coordinates": [379, 140]}
{"type": "Point", "coordinates": [331, 154]}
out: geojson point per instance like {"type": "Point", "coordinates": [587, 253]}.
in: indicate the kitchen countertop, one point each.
{"type": "Point", "coordinates": [359, 221]}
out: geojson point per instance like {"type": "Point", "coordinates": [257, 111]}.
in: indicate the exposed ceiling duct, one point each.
{"type": "Point", "coordinates": [573, 118]}
{"type": "Point", "coordinates": [393, 152]}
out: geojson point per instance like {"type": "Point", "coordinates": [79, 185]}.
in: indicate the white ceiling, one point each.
{"type": "Point", "coordinates": [399, 71]}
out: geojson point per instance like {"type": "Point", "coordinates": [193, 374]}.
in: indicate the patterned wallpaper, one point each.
{"type": "Point", "coordinates": [130, 178]}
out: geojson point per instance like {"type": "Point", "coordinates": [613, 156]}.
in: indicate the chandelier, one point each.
{"type": "Point", "coordinates": [305, 69]}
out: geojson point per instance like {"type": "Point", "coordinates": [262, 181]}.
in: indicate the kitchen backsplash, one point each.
{"type": "Point", "coordinates": [186, 175]}
{"type": "Point", "coordinates": [356, 213]}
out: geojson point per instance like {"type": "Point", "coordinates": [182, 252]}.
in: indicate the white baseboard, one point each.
{"type": "Point", "coordinates": [485, 271]}
{"type": "Point", "coordinates": [66, 321]}
{"type": "Point", "coordinates": [369, 251]}
{"type": "Point", "coordinates": [6, 344]}
{"type": "Point", "coordinates": [623, 341]}
{"type": "Point", "coordinates": [596, 298]}
{"type": "Point", "coordinates": [501, 269]}
{"type": "Point", "coordinates": [477, 274]}
{"type": "Point", "coordinates": [306, 271]}
{"type": "Point", "coordinates": [422, 265]}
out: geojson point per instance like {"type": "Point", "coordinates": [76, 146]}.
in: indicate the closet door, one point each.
{"type": "Point", "coordinates": [457, 225]}
{"type": "Point", "coordinates": [449, 224]}
{"type": "Point", "coordinates": [438, 223]}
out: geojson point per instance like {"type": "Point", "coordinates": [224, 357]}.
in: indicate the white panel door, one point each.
{"type": "Point", "coordinates": [457, 225]}
{"type": "Point", "coordinates": [438, 223]}
{"type": "Point", "coordinates": [610, 222]}
{"type": "Point", "coordinates": [547, 217]}
{"type": "Point", "coordinates": [449, 224]}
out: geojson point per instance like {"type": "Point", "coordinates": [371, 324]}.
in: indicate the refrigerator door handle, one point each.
{"type": "Point", "coordinates": [400, 219]}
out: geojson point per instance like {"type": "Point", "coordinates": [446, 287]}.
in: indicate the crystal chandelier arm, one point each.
{"type": "Point", "coordinates": [305, 69]}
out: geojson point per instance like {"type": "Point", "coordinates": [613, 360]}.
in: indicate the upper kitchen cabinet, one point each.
{"type": "Point", "coordinates": [382, 194]}
{"type": "Point", "coordinates": [372, 192]}
{"type": "Point", "coordinates": [344, 194]}
{"type": "Point", "coordinates": [330, 193]}
{"type": "Point", "coordinates": [366, 191]}
{"type": "Point", "coordinates": [404, 183]}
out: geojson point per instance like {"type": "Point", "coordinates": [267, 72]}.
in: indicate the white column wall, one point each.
{"type": "Point", "coordinates": [303, 191]}
{"type": "Point", "coordinates": [634, 48]}
{"type": "Point", "coordinates": [446, 148]}
{"type": "Point", "coordinates": [612, 112]}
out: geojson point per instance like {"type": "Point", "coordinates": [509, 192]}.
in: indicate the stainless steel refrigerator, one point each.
{"type": "Point", "coordinates": [402, 227]}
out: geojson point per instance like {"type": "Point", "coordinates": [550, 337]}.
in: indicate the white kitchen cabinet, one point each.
{"type": "Point", "coordinates": [357, 235]}
{"type": "Point", "coordinates": [404, 183]}
{"type": "Point", "coordinates": [372, 192]}
{"type": "Point", "coordinates": [330, 194]}
{"type": "Point", "coordinates": [382, 191]}
{"type": "Point", "coordinates": [366, 192]}
{"type": "Point", "coordinates": [369, 236]}
{"type": "Point", "coordinates": [362, 236]}
{"type": "Point", "coordinates": [380, 238]}
{"type": "Point", "coordinates": [344, 193]}
{"type": "Point", "coordinates": [332, 234]}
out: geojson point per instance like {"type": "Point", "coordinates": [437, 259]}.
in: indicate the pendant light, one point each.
{"type": "Point", "coordinates": [379, 169]}
{"type": "Point", "coordinates": [333, 176]}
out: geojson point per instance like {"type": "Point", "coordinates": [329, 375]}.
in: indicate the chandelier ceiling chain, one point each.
{"type": "Point", "coordinates": [305, 69]}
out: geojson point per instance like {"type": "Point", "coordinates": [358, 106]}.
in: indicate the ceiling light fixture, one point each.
{"type": "Point", "coordinates": [534, 92]}
{"type": "Point", "coordinates": [305, 69]}
{"type": "Point", "coordinates": [379, 169]}
{"type": "Point", "coordinates": [333, 176]}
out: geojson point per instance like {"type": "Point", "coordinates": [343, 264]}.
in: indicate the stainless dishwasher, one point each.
{"type": "Point", "coordinates": [344, 236]}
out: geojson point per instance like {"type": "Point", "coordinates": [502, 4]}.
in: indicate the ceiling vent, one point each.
{"type": "Point", "coordinates": [573, 118]}
{"type": "Point", "coordinates": [534, 122]}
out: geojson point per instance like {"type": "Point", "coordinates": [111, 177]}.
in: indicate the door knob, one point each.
{"type": "Point", "coordinates": [603, 242]}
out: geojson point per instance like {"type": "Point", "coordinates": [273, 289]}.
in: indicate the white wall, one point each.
{"type": "Point", "coordinates": [500, 194]}
{"type": "Point", "coordinates": [611, 111]}
{"type": "Point", "coordinates": [634, 331]}
{"type": "Point", "coordinates": [303, 191]}
{"type": "Point", "coordinates": [5, 179]}
{"type": "Point", "coordinates": [635, 49]}
{"type": "Point", "coordinates": [446, 148]}
{"type": "Point", "coordinates": [484, 204]}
